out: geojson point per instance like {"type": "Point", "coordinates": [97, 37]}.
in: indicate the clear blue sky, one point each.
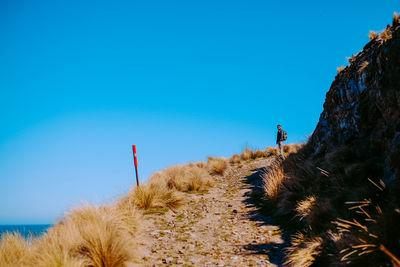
{"type": "Point", "coordinates": [81, 81]}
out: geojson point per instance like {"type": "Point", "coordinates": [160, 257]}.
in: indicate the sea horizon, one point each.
{"type": "Point", "coordinates": [26, 230]}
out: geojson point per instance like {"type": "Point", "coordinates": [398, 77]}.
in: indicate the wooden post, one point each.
{"type": "Point", "coordinates": [136, 164]}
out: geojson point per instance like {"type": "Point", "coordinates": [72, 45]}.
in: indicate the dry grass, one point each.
{"type": "Point", "coordinates": [386, 35]}
{"type": "Point", "coordinates": [106, 235]}
{"type": "Point", "coordinates": [273, 178]}
{"type": "Point", "coordinates": [152, 195]}
{"type": "Point", "coordinates": [304, 207]}
{"type": "Point", "coordinates": [217, 165]}
{"type": "Point", "coordinates": [272, 151]}
{"type": "Point", "coordinates": [13, 248]}
{"type": "Point", "coordinates": [396, 18]}
{"type": "Point", "coordinates": [184, 178]}
{"type": "Point", "coordinates": [88, 236]}
{"type": "Point", "coordinates": [363, 66]}
{"type": "Point", "coordinates": [372, 35]}
{"type": "Point", "coordinates": [340, 69]}
{"type": "Point", "coordinates": [291, 148]}
{"type": "Point", "coordinates": [303, 251]}
{"type": "Point", "coordinates": [247, 154]}
{"type": "Point", "coordinates": [235, 159]}
{"type": "Point", "coordinates": [259, 154]}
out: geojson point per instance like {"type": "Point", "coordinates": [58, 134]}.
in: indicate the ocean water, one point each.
{"type": "Point", "coordinates": [26, 230]}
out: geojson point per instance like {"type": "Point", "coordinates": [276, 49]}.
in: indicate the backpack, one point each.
{"type": "Point", "coordinates": [284, 135]}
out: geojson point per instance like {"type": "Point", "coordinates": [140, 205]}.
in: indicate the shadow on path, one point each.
{"type": "Point", "coordinates": [263, 216]}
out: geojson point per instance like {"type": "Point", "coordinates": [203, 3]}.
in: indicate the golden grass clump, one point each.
{"type": "Point", "coordinates": [372, 35]}
{"type": "Point", "coordinates": [13, 248]}
{"type": "Point", "coordinates": [88, 236]}
{"type": "Point", "coordinates": [200, 164]}
{"type": "Point", "coordinates": [259, 154]}
{"type": "Point", "coordinates": [183, 178]}
{"type": "Point", "coordinates": [235, 159]}
{"type": "Point", "coordinates": [386, 35]}
{"type": "Point", "coordinates": [363, 66]}
{"type": "Point", "coordinates": [272, 151]}
{"type": "Point", "coordinates": [105, 241]}
{"type": "Point", "coordinates": [198, 179]}
{"type": "Point", "coordinates": [217, 165]}
{"type": "Point", "coordinates": [247, 154]}
{"type": "Point", "coordinates": [303, 251]}
{"type": "Point", "coordinates": [155, 195]}
{"type": "Point", "coordinates": [304, 207]}
{"type": "Point", "coordinates": [340, 69]}
{"type": "Point", "coordinates": [395, 18]}
{"type": "Point", "coordinates": [272, 179]}
{"type": "Point", "coordinates": [291, 148]}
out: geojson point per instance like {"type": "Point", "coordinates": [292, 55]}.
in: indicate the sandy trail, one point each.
{"type": "Point", "coordinates": [222, 227]}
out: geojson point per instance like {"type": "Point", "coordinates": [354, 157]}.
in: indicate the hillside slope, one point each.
{"type": "Point", "coordinates": [343, 187]}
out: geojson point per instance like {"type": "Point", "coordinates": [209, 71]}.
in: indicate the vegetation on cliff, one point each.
{"type": "Point", "coordinates": [341, 191]}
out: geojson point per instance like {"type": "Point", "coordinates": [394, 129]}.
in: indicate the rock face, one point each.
{"type": "Point", "coordinates": [362, 107]}
{"type": "Point", "coordinates": [352, 158]}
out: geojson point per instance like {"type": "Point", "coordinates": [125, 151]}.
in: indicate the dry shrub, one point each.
{"type": "Point", "coordinates": [247, 154]}
{"type": "Point", "coordinates": [273, 178]}
{"type": "Point", "coordinates": [303, 251]}
{"type": "Point", "coordinates": [155, 195]}
{"type": "Point", "coordinates": [13, 248]}
{"type": "Point", "coordinates": [128, 214]}
{"type": "Point", "coordinates": [235, 159]}
{"type": "Point", "coordinates": [200, 164]}
{"type": "Point", "coordinates": [340, 69]}
{"type": "Point", "coordinates": [89, 236]}
{"type": "Point", "coordinates": [304, 207]}
{"type": "Point", "coordinates": [395, 18]}
{"type": "Point", "coordinates": [217, 165]}
{"type": "Point", "coordinates": [183, 178]}
{"type": "Point", "coordinates": [272, 151]}
{"type": "Point", "coordinates": [363, 66]}
{"type": "Point", "coordinates": [259, 154]}
{"type": "Point", "coordinates": [372, 35]}
{"type": "Point", "coordinates": [386, 35]}
{"type": "Point", "coordinates": [105, 241]}
{"type": "Point", "coordinates": [291, 148]}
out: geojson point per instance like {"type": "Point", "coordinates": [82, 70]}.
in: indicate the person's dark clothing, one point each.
{"type": "Point", "coordinates": [279, 136]}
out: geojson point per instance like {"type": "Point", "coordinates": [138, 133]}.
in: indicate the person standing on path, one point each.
{"type": "Point", "coordinates": [280, 137]}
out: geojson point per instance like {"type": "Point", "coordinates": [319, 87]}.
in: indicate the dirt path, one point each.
{"type": "Point", "coordinates": [222, 227]}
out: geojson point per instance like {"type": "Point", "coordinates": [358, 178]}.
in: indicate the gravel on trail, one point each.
{"type": "Point", "coordinates": [220, 227]}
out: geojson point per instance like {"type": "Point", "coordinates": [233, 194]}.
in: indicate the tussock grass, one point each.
{"type": "Point", "coordinates": [272, 151]}
{"type": "Point", "coordinates": [184, 178]}
{"type": "Point", "coordinates": [258, 154]}
{"type": "Point", "coordinates": [247, 154]}
{"type": "Point", "coordinates": [88, 236]}
{"type": "Point", "coordinates": [340, 69]}
{"type": "Point", "coordinates": [363, 66]}
{"type": "Point", "coordinates": [13, 248]}
{"type": "Point", "coordinates": [155, 195]}
{"type": "Point", "coordinates": [303, 251]}
{"type": "Point", "coordinates": [386, 35]}
{"type": "Point", "coordinates": [372, 35]}
{"type": "Point", "coordinates": [304, 207]}
{"type": "Point", "coordinates": [217, 165]}
{"type": "Point", "coordinates": [291, 148]}
{"type": "Point", "coordinates": [235, 159]}
{"type": "Point", "coordinates": [273, 178]}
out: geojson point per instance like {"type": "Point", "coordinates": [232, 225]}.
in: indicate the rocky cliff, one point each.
{"type": "Point", "coordinates": [343, 187]}
{"type": "Point", "coordinates": [362, 107]}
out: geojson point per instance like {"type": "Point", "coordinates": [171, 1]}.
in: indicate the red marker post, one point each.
{"type": "Point", "coordinates": [136, 164]}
